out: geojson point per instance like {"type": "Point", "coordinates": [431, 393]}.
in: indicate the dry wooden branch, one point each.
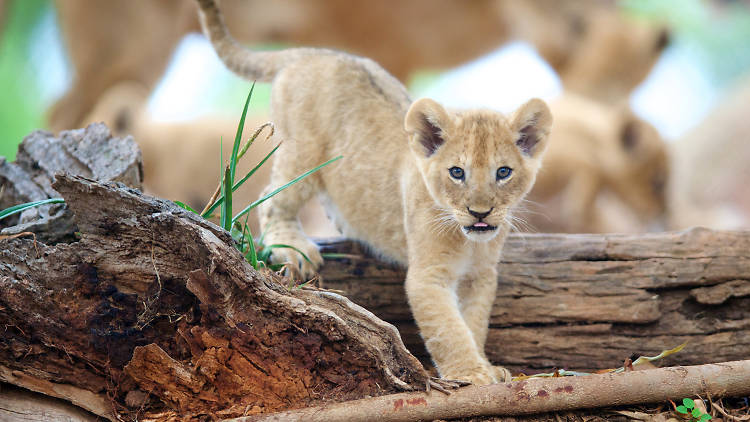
{"type": "Point", "coordinates": [537, 395]}
{"type": "Point", "coordinates": [589, 301]}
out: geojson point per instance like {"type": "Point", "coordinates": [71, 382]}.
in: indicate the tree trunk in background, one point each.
{"type": "Point", "coordinates": [589, 301]}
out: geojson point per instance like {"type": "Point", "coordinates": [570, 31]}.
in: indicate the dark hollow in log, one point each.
{"type": "Point", "coordinates": [589, 301]}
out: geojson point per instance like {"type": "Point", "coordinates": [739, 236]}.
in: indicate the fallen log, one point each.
{"type": "Point", "coordinates": [533, 396]}
{"type": "Point", "coordinates": [585, 302]}
{"type": "Point", "coordinates": [154, 309]}
{"type": "Point", "coordinates": [137, 307]}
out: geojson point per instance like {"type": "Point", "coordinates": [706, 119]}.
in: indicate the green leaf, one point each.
{"type": "Point", "coordinates": [689, 403]}
{"type": "Point", "coordinates": [696, 413]}
{"type": "Point", "coordinates": [15, 209]}
{"type": "Point", "coordinates": [185, 207]}
{"type": "Point", "coordinates": [705, 417]}
{"type": "Point", "coordinates": [277, 190]}
{"type": "Point", "coordinates": [226, 207]}
{"type": "Point", "coordinates": [238, 137]}
{"type": "Point", "coordinates": [252, 254]}
{"type": "Point", "coordinates": [682, 409]}
{"type": "Point", "coordinates": [238, 184]}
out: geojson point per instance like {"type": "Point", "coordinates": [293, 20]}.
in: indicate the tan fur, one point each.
{"type": "Point", "coordinates": [711, 167]}
{"type": "Point", "coordinates": [392, 191]}
{"type": "Point", "coordinates": [595, 50]}
{"type": "Point", "coordinates": [181, 161]}
{"type": "Point", "coordinates": [600, 158]}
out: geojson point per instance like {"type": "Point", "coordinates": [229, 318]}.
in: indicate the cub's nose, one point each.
{"type": "Point", "coordinates": [479, 215]}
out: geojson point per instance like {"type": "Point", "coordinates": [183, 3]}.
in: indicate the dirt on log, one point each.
{"type": "Point", "coordinates": [584, 302]}
{"type": "Point", "coordinates": [149, 311]}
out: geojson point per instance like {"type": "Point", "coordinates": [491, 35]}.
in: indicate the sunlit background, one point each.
{"type": "Point", "coordinates": [707, 54]}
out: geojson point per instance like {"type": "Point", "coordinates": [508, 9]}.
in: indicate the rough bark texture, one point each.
{"type": "Point", "coordinates": [153, 305]}
{"type": "Point", "coordinates": [151, 309]}
{"type": "Point", "coordinates": [91, 152]}
{"type": "Point", "coordinates": [589, 301]}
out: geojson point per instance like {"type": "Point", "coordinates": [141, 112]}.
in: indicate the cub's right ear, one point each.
{"type": "Point", "coordinates": [427, 122]}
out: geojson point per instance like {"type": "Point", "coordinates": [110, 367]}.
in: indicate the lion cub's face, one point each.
{"type": "Point", "coordinates": [477, 164]}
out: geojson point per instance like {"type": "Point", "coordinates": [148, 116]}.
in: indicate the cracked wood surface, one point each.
{"type": "Point", "coordinates": [153, 312]}
{"type": "Point", "coordinates": [589, 301]}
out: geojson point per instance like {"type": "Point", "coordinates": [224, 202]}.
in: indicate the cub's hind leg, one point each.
{"type": "Point", "coordinates": [278, 215]}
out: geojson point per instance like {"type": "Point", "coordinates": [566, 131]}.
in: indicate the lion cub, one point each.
{"type": "Point", "coordinates": [420, 185]}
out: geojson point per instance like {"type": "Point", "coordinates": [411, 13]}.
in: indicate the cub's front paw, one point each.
{"type": "Point", "coordinates": [501, 374]}
{"type": "Point", "coordinates": [479, 376]}
{"type": "Point", "coordinates": [295, 260]}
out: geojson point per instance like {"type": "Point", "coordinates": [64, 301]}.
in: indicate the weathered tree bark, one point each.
{"type": "Point", "coordinates": [153, 308]}
{"type": "Point", "coordinates": [589, 301]}
{"type": "Point", "coordinates": [91, 152]}
{"type": "Point", "coordinates": [136, 306]}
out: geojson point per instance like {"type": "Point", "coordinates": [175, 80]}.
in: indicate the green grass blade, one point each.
{"type": "Point", "coordinates": [226, 206]}
{"type": "Point", "coordinates": [23, 207]}
{"type": "Point", "coordinates": [252, 254]}
{"type": "Point", "coordinates": [277, 190]}
{"type": "Point", "coordinates": [238, 137]}
{"type": "Point", "coordinates": [238, 184]}
{"type": "Point", "coordinates": [185, 206]}
{"type": "Point", "coordinates": [283, 246]}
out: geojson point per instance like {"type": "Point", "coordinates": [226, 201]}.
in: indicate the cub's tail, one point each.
{"type": "Point", "coordinates": [253, 65]}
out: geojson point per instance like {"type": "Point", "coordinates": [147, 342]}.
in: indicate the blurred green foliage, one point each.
{"type": "Point", "coordinates": [21, 109]}
{"type": "Point", "coordinates": [716, 33]}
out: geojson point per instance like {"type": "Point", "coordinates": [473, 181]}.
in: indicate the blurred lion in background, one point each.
{"type": "Point", "coordinates": [606, 170]}
{"type": "Point", "coordinates": [710, 185]}
{"type": "Point", "coordinates": [596, 50]}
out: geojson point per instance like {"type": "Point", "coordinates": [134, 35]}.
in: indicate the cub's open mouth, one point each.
{"type": "Point", "coordinates": [480, 226]}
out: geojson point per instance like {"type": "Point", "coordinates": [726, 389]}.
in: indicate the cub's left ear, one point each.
{"type": "Point", "coordinates": [532, 121]}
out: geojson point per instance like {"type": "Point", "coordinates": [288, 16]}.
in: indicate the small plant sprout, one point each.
{"type": "Point", "coordinates": [688, 408]}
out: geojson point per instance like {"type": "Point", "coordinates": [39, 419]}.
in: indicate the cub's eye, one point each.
{"type": "Point", "coordinates": [456, 173]}
{"type": "Point", "coordinates": [504, 173]}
